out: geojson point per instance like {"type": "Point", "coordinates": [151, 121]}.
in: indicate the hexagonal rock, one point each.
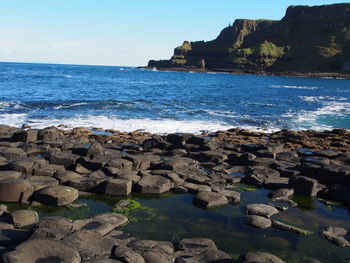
{"type": "Point", "coordinates": [4, 175]}
{"type": "Point", "coordinates": [15, 190]}
{"type": "Point", "coordinates": [120, 187]}
{"type": "Point", "coordinates": [233, 196]}
{"type": "Point", "coordinates": [304, 185]}
{"type": "Point", "coordinates": [154, 184]}
{"type": "Point", "coordinates": [258, 221]}
{"type": "Point", "coordinates": [40, 182]}
{"type": "Point", "coordinates": [208, 255]}
{"type": "Point", "coordinates": [196, 245]}
{"type": "Point", "coordinates": [22, 218]}
{"type": "Point", "coordinates": [209, 199]}
{"type": "Point", "coordinates": [101, 224]}
{"type": "Point", "coordinates": [56, 195]}
{"type": "Point", "coordinates": [90, 245]}
{"type": "Point", "coordinates": [259, 257]}
{"type": "Point", "coordinates": [127, 255]}
{"type": "Point", "coordinates": [261, 210]}
{"type": "Point", "coordinates": [42, 250]}
{"type": "Point", "coordinates": [52, 227]}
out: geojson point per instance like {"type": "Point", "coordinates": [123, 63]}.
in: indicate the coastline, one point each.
{"type": "Point", "coordinates": [54, 167]}
{"type": "Point", "coordinates": [324, 75]}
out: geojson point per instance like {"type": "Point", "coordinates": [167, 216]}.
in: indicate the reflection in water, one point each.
{"type": "Point", "coordinates": [175, 217]}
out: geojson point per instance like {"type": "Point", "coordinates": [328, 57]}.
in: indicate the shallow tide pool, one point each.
{"type": "Point", "coordinates": [173, 217]}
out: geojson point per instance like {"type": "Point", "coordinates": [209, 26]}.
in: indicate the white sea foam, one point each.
{"type": "Point", "coordinates": [309, 119]}
{"type": "Point", "coordinates": [321, 98]}
{"type": "Point", "coordinates": [162, 126]}
{"type": "Point", "coordinates": [63, 106]}
{"type": "Point", "coordinates": [221, 113]}
{"type": "Point", "coordinates": [293, 87]}
{"type": "Point", "coordinates": [15, 119]}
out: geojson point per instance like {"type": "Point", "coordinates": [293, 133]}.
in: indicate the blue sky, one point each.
{"type": "Point", "coordinates": [115, 32]}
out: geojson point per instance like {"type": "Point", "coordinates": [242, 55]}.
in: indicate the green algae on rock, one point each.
{"type": "Point", "coordinates": [130, 208]}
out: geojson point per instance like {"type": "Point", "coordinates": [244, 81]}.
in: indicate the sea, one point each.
{"type": "Point", "coordinates": [128, 99]}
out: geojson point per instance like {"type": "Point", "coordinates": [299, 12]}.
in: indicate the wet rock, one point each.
{"type": "Point", "coordinates": [340, 193]}
{"type": "Point", "coordinates": [196, 245]}
{"type": "Point", "coordinates": [334, 174]}
{"type": "Point", "coordinates": [95, 149]}
{"type": "Point", "coordinates": [261, 210]}
{"type": "Point", "coordinates": [127, 255]}
{"type": "Point", "coordinates": [336, 235]}
{"type": "Point", "coordinates": [154, 184]}
{"type": "Point", "coordinates": [53, 227]}
{"type": "Point", "coordinates": [321, 161]}
{"type": "Point", "coordinates": [68, 160]}
{"type": "Point", "coordinates": [281, 193]}
{"type": "Point", "coordinates": [108, 260]}
{"type": "Point", "coordinates": [261, 175]}
{"type": "Point", "coordinates": [22, 218]}
{"type": "Point", "coordinates": [101, 224]}
{"type": "Point", "coordinates": [120, 238]}
{"type": "Point", "coordinates": [7, 131]}
{"type": "Point", "coordinates": [246, 158]}
{"type": "Point", "coordinates": [196, 188]}
{"type": "Point", "coordinates": [276, 183]}
{"type": "Point", "coordinates": [56, 195]}
{"type": "Point", "coordinates": [142, 162]}
{"type": "Point", "coordinates": [122, 165]}
{"type": "Point", "coordinates": [210, 199]}
{"type": "Point", "coordinates": [232, 196]}
{"type": "Point", "coordinates": [290, 228]}
{"type": "Point", "coordinates": [304, 186]}
{"type": "Point", "coordinates": [66, 176]}
{"type": "Point", "coordinates": [12, 153]}
{"type": "Point", "coordinates": [40, 182]}
{"type": "Point", "coordinates": [208, 255]}
{"type": "Point", "coordinates": [49, 134]}
{"type": "Point", "coordinates": [90, 245]}
{"type": "Point", "coordinates": [258, 221]}
{"type": "Point", "coordinates": [15, 190]}
{"type": "Point", "coordinates": [42, 250]}
{"type": "Point", "coordinates": [4, 175]}
{"type": "Point", "coordinates": [259, 257]}
{"type": "Point", "coordinates": [25, 136]}
{"type": "Point", "coordinates": [120, 187]}
{"type": "Point", "coordinates": [4, 225]}
{"type": "Point", "coordinates": [154, 251]}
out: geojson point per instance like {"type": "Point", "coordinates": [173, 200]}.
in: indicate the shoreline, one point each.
{"type": "Point", "coordinates": [53, 167]}
{"type": "Point", "coordinates": [322, 75]}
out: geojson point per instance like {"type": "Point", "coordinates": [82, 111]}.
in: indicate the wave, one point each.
{"type": "Point", "coordinates": [294, 87]}
{"type": "Point", "coordinates": [14, 119]}
{"type": "Point", "coordinates": [310, 119]}
{"type": "Point", "coordinates": [65, 106]}
{"type": "Point", "coordinates": [321, 98]}
{"type": "Point", "coordinates": [220, 113]}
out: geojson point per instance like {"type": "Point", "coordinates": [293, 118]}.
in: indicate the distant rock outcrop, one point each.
{"type": "Point", "coordinates": [307, 39]}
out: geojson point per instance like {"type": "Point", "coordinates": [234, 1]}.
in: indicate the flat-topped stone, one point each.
{"type": "Point", "coordinates": [210, 199]}
{"type": "Point", "coordinates": [56, 195]}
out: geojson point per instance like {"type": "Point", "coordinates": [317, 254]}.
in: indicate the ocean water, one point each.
{"type": "Point", "coordinates": [128, 99]}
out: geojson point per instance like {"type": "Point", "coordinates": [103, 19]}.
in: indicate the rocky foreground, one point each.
{"type": "Point", "coordinates": [54, 167]}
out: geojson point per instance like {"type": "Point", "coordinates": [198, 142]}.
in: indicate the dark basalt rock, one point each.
{"type": "Point", "coordinates": [42, 250]}
{"type": "Point", "coordinates": [304, 186]}
{"type": "Point", "coordinates": [210, 199]}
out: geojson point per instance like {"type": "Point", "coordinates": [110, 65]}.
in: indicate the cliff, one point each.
{"type": "Point", "coordinates": [306, 39]}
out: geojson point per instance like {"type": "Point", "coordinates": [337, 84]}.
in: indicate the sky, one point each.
{"type": "Point", "coordinates": [119, 32]}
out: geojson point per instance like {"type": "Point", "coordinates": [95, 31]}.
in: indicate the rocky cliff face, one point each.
{"type": "Point", "coordinates": [307, 39]}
